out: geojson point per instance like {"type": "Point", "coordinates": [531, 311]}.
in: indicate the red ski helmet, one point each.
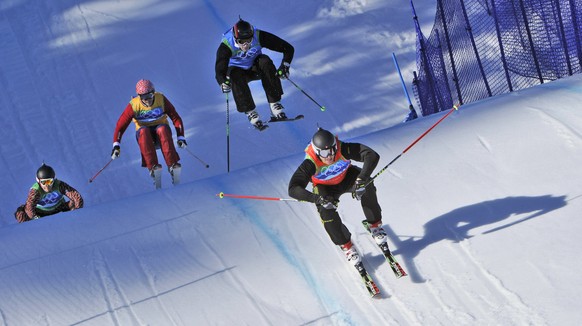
{"type": "Point", "coordinates": [144, 86]}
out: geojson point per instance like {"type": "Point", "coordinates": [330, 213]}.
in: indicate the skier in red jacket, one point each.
{"type": "Point", "coordinates": [150, 111]}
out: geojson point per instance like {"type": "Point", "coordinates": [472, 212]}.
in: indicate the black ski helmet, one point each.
{"type": "Point", "coordinates": [323, 140]}
{"type": "Point", "coordinates": [242, 30]}
{"type": "Point", "coordinates": [45, 172]}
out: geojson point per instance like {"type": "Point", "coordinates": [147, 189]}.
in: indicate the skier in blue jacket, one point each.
{"type": "Point", "coordinates": [239, 60]}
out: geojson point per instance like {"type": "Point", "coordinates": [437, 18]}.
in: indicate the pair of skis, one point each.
{"type": "Point", "coordinates": [394, 265]}
{"type": "Point", "coordinates": [157, 176]}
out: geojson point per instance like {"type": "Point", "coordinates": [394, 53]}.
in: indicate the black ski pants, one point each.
{"type": "Point", "coordinates": [263, 69]}
{"type": "Point", "coordinates": [330, 218]}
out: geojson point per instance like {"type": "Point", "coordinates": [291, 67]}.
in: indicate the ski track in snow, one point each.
{"type": "Point", "coordinates": [119, 308]}
{"type": "Point", "coordinates": [506, 303]}
{"type": "Point", "coordinates": [338, 316]}
{"type": "Point", "coordinates": [324, 298]}
{"type": "Point", "coordinates": [570, 135]}
{"type": "Point", "coordinates": [436, 288]}
{"type": "Point", "coordinates": [150, 276]}
{"type": "Point", "coordinates": [237, 281]}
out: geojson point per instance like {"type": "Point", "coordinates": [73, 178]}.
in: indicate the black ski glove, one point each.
{"type": "Point", "coordinates": [226, 86]}
{"type": "Point", "coordinates": [359, 188]}
{"type": "Point", "coordinates": [327, 202]}
{"type": "Point", "coordinates": [283, 71]}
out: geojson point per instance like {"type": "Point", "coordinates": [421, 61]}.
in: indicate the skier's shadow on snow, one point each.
{"type": "Point", "coordinates": [455, 225]}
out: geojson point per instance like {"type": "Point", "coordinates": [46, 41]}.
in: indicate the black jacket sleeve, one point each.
{"type": "Point", "coordinates": [299, 181]}
{"type": "Point", "coordinates": [223, 55]}
{"type": "Point", "coordinates": [361, 153]}
{"type": "Point", "coordinates": [275, 43]}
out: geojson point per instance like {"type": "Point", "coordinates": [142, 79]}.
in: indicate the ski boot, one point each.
{"type": "Point", "coordinates": [277, 111]}
{"type": "Point", "coordinates": [255, 120]}
{"type": "Point", "coordinates": [175, 171]}
{"type": "Point", "coordinates": [351, 253]}
{"type": "Point", "coordinates": [378, 233]}
{"type": "Point", "coordinates": [156, 174]}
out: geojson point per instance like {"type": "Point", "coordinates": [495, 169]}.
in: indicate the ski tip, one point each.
{"type": "Point", "coordinates": [373, 290]}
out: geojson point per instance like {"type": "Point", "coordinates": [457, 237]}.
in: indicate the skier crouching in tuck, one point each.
{"type": "Point", "coordinates": [327, 165]}
{"type": "Point", "coordinates": [150, 110]}
{"type": "Point", "coordinates": [239, 60]}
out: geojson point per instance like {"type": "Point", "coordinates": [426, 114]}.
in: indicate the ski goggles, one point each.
{"type": "Point", "coordinates": [146, 96]}
{"type": "Point", "coordinates": [244, 41]}
{"type": "Point", "coordinates": [323, 153]}
{"type": "Point", "coordinates": [46, 182]}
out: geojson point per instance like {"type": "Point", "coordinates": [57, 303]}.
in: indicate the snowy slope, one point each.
{"type": "Point", "coordinates": [482, 212]}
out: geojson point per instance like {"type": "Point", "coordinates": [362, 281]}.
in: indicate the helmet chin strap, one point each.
{"type": "Point", "coordinates": [146, 102]}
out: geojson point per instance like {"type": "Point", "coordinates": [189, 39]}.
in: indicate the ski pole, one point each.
{"type": "Point", "coordinates": [103, 168]}
{"type": "Point", "coordinates": [227, 136]}
{"type": "Point", "coordinates": [455, 108]}
{"type": "Point", "coordinates": [222, 195]}
{"type": "Point", "coordinates": [321, 107]}
{"type": "Point", "coordinates": [196, 157]}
